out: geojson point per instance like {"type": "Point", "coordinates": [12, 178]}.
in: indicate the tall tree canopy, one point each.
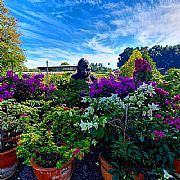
{"type": "Point", "coordinates": [164, 57]}
{"type": "Point", "coordinates": [64, 63]}
{"type": "Point", "coordinates": [11, 54]}
{"type": "Point", "coordinates": [128, 68]}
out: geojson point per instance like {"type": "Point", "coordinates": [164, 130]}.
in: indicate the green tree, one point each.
{"type": "Point", "coordinates": [11, 54]}
{"type": "Point", "coordinates": [128, 68]}
{"type": "Point", "coordinates": [64, 63]}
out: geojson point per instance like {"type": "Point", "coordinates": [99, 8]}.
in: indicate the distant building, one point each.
{"type": "Point", "coordinates": [64, 68]}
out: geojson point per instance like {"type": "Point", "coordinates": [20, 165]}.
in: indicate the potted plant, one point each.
{"type": "Point", "coordinates": [51, 145]}
{"type": "Point", "coordinates": [13, 117]}
{"type": "Point", "coordinates": [135, 131]}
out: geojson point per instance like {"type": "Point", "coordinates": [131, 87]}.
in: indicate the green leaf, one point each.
{"type": "Point", "coordinates": [142, 138]}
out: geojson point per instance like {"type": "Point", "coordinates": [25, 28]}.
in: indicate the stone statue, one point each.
{"type": "Point", "coordinates": [83, 71]}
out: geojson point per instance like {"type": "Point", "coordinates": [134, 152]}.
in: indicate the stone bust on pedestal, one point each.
{"type": "Point", "coordinates": [83, 71]}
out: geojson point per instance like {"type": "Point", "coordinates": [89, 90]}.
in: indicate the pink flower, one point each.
{"type": "Point", "coordinates": [82, 109]}
{"type": "Point", "coordinates": [1, 99]}
{"type": "Point", "coordinates": [157, 139]}
{"type": "Point", "coordinates": [177, 97]}
{"type": "Point", "coordinates": [23, 115]}
{"type": "Point", "coordinates": [161, 92]}
{"type": "Point", "coordinates": [158, 115]}
{"type": "Point", "coordinates": [76, 151]}
{"type": "Point", "coordinates": [159, 134]}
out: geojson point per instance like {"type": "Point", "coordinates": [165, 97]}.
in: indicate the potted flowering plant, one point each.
{"type": "Point", "coordinates": [13, 117]}
{"type": "Point", "coordinates": [136, 136]}
{"type": "Point", "coordinates": [51, 145]}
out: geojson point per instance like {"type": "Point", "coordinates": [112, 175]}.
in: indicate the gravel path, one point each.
{"type": "Point", "coordinates": [86, 169]}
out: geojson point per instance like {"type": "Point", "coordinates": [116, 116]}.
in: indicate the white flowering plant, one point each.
{"type": "Point", "coordinates": [143, 128]}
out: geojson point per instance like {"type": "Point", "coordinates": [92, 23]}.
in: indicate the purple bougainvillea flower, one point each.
{"type": "Point", "coordinates": [10, 73]}
{"type": "Point", "coordinates": [159, 134]}
{"type": "Point", "coordinates": [177, 97]}
{"type": "Point", "coordinates": [25, 76]}
{"type": "Point", "coordinates": [158, 115]}
{"type": "Point", "coordinates": [15, 78]}
{"type": "Point", "coordinates": [76, 151]}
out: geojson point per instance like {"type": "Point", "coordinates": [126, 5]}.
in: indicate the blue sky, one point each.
{"type": "Point", "coordinates": [67, 30]}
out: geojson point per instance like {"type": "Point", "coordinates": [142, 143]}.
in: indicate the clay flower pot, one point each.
{"type": "Point", "coordinates": [64, 173]}
{"type": "Point", "coordinates": [105, 167]}
{"type": "Point", "coordinates": [8, 163]}
{"type": "Point", "coordinates": [140, 177]}
{"type": "Point", "coordinates": [177, 165]}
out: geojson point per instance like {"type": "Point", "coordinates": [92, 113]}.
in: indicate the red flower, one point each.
{"type": "Point", "coordinates": [19, 136]}
{"type": "Point", "coordinates": [49, 131]}
{"type": "Point", "coordinates": [66, 108]}
{"type": "Point", "coordinates": [1, 99]}
{"type": "Point", "coordinates": [76, 151]}
{"type": "Point", "coordinates": [82, 155]}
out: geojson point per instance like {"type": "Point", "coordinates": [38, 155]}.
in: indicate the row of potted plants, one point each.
{"type": "Point", "coordinates": [45, 136]}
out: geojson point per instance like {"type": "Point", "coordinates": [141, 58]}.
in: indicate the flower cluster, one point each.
{"type": "Point", "coordinates": [27, 87]}
{"type": "Point", "coordinates": [147, 118]}
{"type": "Point", "coordinates": [142, 65]}
{"type": "Point", "coordinates": [161, 92]}
{"type": "Point", "coordinates": [143, 70]}
{"type": "Point", "coordinates": [107, 86]}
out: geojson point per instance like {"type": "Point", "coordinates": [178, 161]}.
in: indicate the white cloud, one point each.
{"type": "Point", "coordinates": [159, 24]}
{"type": "Point", "coordinates": [98, 46]}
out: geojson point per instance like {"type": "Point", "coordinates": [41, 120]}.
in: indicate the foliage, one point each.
{"type": "Point", "coordinates": [11, 54]}
{"type": "Point", "coordinates": [128, 68]}
{"type": "Point", "coordinates": [55, 139]}
{"type": "Point", "coordinates": [164, 57]}
{"type": "Point", "coordinates": [95, 67]}
{"type": "Point", "coordinates": [64, 63]}
{"type": "Point", "coordinates": [139, 133]}
{"type": "Point", "coordinates": [27, 87]}
{"type": "Point", "coordinates": [60, 80]}
{"type": "Point", "coordinates": [13, 117]}
{"type": "Point", "coordinates": [171, 81]}
{"type": "Point", "coordinates": [70, 92]}
{"type": "Point", "coordinates": [101, 75]}
{"type": "Point", "coordinates": [156, 75]}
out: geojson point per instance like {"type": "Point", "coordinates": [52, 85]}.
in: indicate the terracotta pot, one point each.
{"type": "Point", "coordinates": [140, 177]}
{"type": "Point", "coordinates": [8, 163]}
{"type": "Point", "coordinates": [64, 173]}
{"type": "Point", "coordinates": [105, 166]}
{"type": "Point", "coordinates": [177, 165]}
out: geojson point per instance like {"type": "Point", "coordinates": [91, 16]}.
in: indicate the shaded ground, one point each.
{"type": "Point", "coordinates": [86, 169]}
